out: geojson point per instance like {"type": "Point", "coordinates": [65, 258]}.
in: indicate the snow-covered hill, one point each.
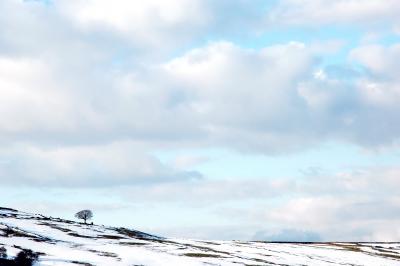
{"type": "Point", "coordinates": [63, 242]}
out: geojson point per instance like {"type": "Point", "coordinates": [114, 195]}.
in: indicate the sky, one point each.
{"type": "Point", "coordinates": [231, 119]}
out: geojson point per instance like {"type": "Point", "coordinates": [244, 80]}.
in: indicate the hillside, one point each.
{"type": "Point", "coordinates": [63, 242]}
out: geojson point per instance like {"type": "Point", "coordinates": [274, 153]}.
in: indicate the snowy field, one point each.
{"type": "Point", "coordinates": [63, 242]}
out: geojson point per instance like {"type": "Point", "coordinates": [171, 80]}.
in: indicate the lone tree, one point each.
{"type": "Point", "coordinates": [84, 215]}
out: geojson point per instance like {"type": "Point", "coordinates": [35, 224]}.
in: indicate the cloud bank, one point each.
{"type": "Point", "coordinates": [91, 91]}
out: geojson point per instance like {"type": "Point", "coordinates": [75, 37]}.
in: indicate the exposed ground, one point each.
{"type": "Point", "coordinates": [63, 242]}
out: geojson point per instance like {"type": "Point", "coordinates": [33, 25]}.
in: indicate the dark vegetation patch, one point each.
{"type": "Point", "coordinates": [133, 243]}
{"type": "Point", "coordinates": [288, 242]}
{"type": "Point", "coordinates": [263, 255]}
{"type": "Point", "coordinates": [76, 245]}
{"type": "Point", "coordinates": [7, 209]}
{"type": "Point", "coordinates": [8, 231]}
{"type": "Point", "coordinates": [16, 232]}
{"type": "Point", "coordinates": [41, 217]}
{"type": "Point", "coordinates": [8, 215]}
{"type": "Point", "coordinates": [96, 230]}
{"type": "Point", "coordinates": [81, 263]}
{"type": "Point", "coordinates": [269, 263]}
{"type": "Point", "coordinates": [65, 230]}
{"type": "Point", "coordinates": [135, 234]}
{"type": "Point", "coordinates": [11, 232]}
{"type": "Point", "coordinates": [116, 237]}
{"type": "Point", "coordinates": [385, 250]}
{"type": "Point", "coordinates": [260, 260]}
{"type": "Point", "coordinates": [356, 247]}
{"type": "Point", "coordinates": [201, 255]}
{"type": "Point", "coordinates": [79, 235]}
{"type": "Point", "coordinates": [349, 247]}
{"type": "Point", "coordinates": [210, 243]}
{"type": "Point", "coordinates": [264, 262]}
{"type": "Point", "coordinates": [63, 221]}
{"type": "Point", "coordinates": [186, 246]}
{"type": "Point", "coordinates": [103, 253]}
{"type": "Point", "coordinates": [206, 249]}
{"type": "Point", "coordinates": [25, 257]}
{"type": "Point", "coordinates": [164, 241]}
{"type": "Point", "coordinates": [24, 249]}
{"type": "Point", "coordinates": [111, 237]}
{"type": "Point", "coordinates": [386, 255]}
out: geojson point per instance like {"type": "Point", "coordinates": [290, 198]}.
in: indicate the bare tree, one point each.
{"type": "Point", "coordinates": [84, 215]}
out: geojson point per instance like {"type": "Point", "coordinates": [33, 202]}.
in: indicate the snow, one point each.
{"type": "Point", "coordinates": [67, 243]}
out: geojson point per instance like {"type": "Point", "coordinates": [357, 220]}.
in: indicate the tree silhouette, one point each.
{"type": "Point", "coordinates": [84, 215]}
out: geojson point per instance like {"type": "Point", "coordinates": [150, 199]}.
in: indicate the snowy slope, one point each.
{"type": "Point", "coordinates": [63, 242]}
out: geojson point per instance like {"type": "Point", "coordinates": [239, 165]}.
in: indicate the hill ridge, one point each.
{"type": "Point", "coordinates": [70, 243]}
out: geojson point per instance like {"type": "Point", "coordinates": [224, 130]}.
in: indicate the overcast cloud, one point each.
{"type": "Point", "coordinates": [93, 94]}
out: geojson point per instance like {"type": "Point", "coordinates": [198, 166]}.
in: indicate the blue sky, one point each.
{"type": "Point", "coordinates": [205, 119]}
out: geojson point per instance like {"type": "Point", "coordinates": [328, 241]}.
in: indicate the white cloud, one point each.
{"type": "Point", "coordinates": [379, 59]}
{"type": "Point", "coordinates": [28, 92]}
{"type": "Point", "coordinates": [353, 205]}
{"type": "Point", "coordinates": [379, 91]}
{"type": "Point", "coordinates": [130, 15]}
{"type": "Point", "coordinates": [204, 192]}
{"type": "Point", "coordinates": [221, 95]}
{"type": "Point", "coordinates": [317, 12]}
{"type": "Point", "coordinates": [89, 90]}
{"type": "Point", "coordinates": [116, 164]}
{"type": "Point", "coordinates": [218, 95]}
{"type": "Point", "coordinates": [242, 97]}
{"type": "Point", "coordinates": [339, 218]}
{"type": "Point", "coordinates": [188, 161]}
{"type": "Point", "coordinates": [239, 95]}
{"type": "Point", "coordinates": [382, 86]}
{"type": "Point", "coordinates": [145, 23]}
